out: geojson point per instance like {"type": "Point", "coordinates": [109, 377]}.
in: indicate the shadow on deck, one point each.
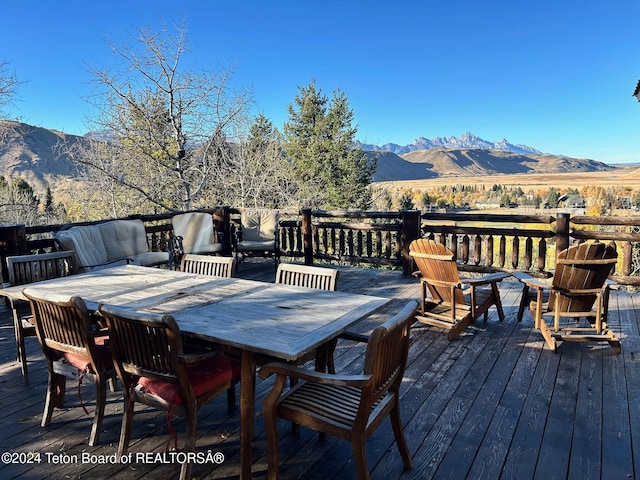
{"type": "Point", "coordinates": [495, 403]}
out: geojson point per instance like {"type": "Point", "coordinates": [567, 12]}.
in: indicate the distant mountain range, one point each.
{"type": "Point", "coordinates": [467, 140]}
{"type": "Point", "coordinates": [34, 154]}
{"type": "Point", "coordinates": [469, 162]}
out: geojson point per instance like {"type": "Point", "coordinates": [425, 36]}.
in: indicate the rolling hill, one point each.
{"type": "Point", "coordinates": [34, 154]}
{"type": "Point", "coordinates": [467, 162]}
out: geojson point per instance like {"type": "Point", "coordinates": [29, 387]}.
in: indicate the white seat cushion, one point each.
{"type": "Point", "coordinates": [149, 259]}
{"type": "Point", "coordinates": [259, 225]}
{"type": "Point", "coordinates": [88, 244]}
{"type": "Point", "coordinates": [123, 238]}
{"type": "Point", "coordinates": [196, 230]}
{"type": "Point", "coordinates": [249, 246]}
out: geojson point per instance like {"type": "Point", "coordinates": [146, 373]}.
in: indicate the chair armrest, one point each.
{"type": "Point", "coordinates": [190, 358]}
{"type": "Point", "coordinates": [354, 336]}
{"type": "Point", "coordinates": [313, 376]}
{"type": "Point", "coordinates": [486, 279]}
{"type": "Point", "coordinates": [612, 284]}
{"type": "Point", "coordinates": [175, 249]}
{"type": "Point", "coordinates": [535, 283]}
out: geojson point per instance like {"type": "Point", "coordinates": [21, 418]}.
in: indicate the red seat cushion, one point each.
{"type": "Point", "coordinates": [203, 376]}
{"type": "Point", "coordinates": [82, 362]}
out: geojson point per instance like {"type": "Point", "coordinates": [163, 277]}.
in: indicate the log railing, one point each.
{"type": "Point", "coordinates": [485, 243]}
{"type": "Point", "coordinates": [481, 242]}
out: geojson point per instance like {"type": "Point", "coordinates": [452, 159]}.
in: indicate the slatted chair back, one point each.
{"type": "Point", "coordinates": [386, 357]}
{"type": "Point", "coordinates": [208, 265]}
{"type": "Point", "coordinates": [65, 330]}
{"type": "Point", "coordinates": [144, 345]}
{"type": "Point", "coordinates": [321, 278]}
{"type": "Point", "coordinates": [580, 269]}
{"type": "Point", "coordinates": [62, 325]}
{"type": "Point", "coordinates": [25, 269]}
{"type": "Point", "coordinates": [438, 268]}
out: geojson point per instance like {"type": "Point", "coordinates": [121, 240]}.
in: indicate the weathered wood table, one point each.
{"type": "Point", "coordinates": [251, 318]}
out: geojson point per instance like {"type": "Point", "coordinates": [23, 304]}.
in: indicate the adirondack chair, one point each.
{"type": "Point", "coordinates": [26, 269]}
{"type": "Point", "coordinates": [579, 282]}
{"type": "Point", "coordinates": [450, 304]}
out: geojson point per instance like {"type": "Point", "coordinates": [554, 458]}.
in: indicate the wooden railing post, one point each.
{"type": "Point", "coordinates": [13, 241]}
{"type": "Point", "coordinates": [307, 236]}
{"type": "Point", "coordinates": [563, 231]}
{"type": "Point", "coordinates": [411, 223]}
{"type": "Point", "coordinates": [222, 222]}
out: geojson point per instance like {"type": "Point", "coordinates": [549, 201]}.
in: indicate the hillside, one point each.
{"type": "Point", "coordinates": [446, 162]}
{"type": "Point", "coordinates": [34, 154]}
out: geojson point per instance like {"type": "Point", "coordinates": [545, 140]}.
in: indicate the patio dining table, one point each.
{"type": "Point", "coordinates": [255, 320]}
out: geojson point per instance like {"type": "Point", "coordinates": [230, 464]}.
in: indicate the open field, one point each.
{"type": "Point", "coordinates": [624, 176]}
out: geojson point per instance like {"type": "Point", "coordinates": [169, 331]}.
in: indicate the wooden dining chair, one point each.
{"type": "Point", "coordinates": [158, 369]}
{"type": "Point", "coordinates": [75, 347]}
{"type": "Point", "coordinates": [579, 283]}
{"type": "Point", "coordinates": [350, 407]}
{"type": "Point", "coordinates": [25, 269]}
{"type": "Point", "coordinates": [321, 278]}
{"type": "Point", "coordinates": [448, 300]}
{"type": "Point", "coordinates": [208, 265]}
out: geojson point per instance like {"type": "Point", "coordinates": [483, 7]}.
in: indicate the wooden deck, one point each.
{"type": "Point", "coordinates": [495, 403]}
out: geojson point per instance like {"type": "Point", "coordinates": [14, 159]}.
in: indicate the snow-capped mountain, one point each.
{"type": "Point", "coordinates": [467, 140]}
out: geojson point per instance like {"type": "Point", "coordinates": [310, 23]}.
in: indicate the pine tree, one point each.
{"type": "Point", "coordinates": [319, 141]}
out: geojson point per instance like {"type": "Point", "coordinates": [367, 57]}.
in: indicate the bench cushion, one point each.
{"type": "Point", "coordinates": [109, 244]}
{"type": "Point", "coordinates": [87, 243]}
{"type": "Point", "coordinates": [123, 238]}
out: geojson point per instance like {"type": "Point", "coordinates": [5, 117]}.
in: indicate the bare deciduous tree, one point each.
{"type": "Point", "coordinates": [254, 172]}
{"type": "Point", "coordinates": [8, 85]}
{"type": "Point", "coordinates": [163, 123]}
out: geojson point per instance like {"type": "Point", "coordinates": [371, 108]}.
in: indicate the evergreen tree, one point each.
{"type": "Point", "coordinates": [319, 141]}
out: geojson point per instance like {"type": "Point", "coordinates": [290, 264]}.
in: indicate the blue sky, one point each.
{"type": "Point", "coordinates": [553, 74]}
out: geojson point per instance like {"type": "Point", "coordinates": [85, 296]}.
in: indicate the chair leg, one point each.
{"type": "Point", "coordinates": [498, 302]}
{"type": "Point", "coordinates": [22, 354]}
{"type": "Point", "coordinates": [20, 346]}
{"type": "Point", "coordinates": [359, 457]}
{"type": "Point", "coordinates": [524, 300]}
{"type": "Point", "coordinates": [459, 327]}
{"type": "Point", "coordinates": [127, 422]}
{"type": "Point", "coordinates": [271, 437]}
{"type": "Point", "coordinates": [55, 396]}
{"type": "Point", "coordinates": [192, 425]}
{"type": "Point", "coordinates": [546, 333]}
{"type": "Point", "coordinates": [98, 417]}
{"type": "Point", "coordinates": [231, 398]}
{"type": "Point", "coordinates": [401, 441]}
